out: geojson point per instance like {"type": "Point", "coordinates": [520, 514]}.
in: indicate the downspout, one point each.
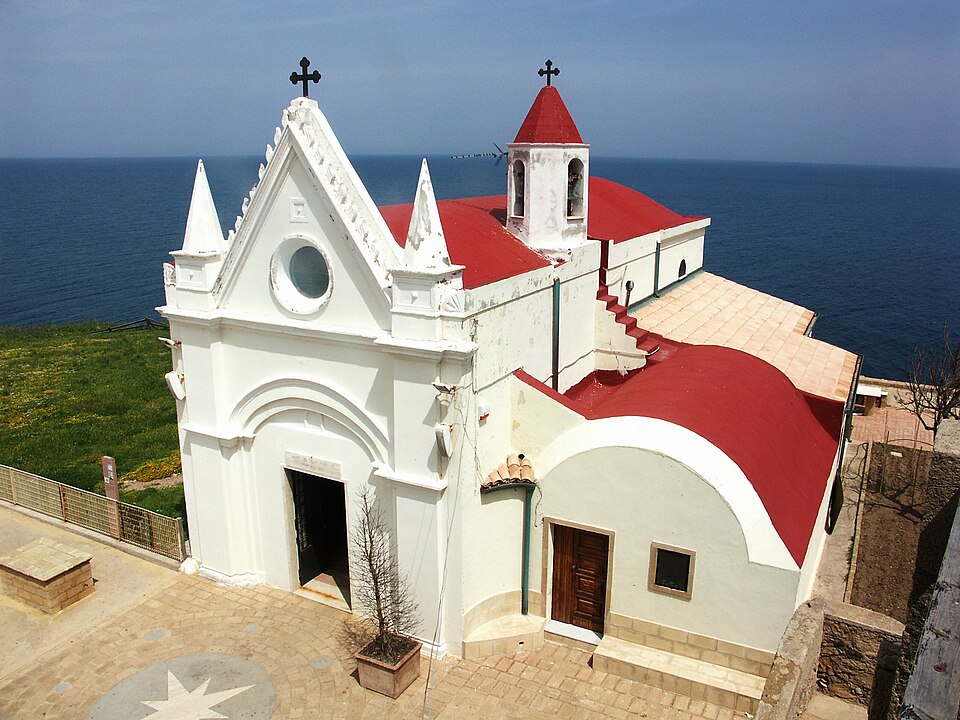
{"type": "Point", "coordinates": [556, 334]}
{"type": "Point", "coordinates": [656, 271]}
{"type": "Point", "coordinates": [527, 488]}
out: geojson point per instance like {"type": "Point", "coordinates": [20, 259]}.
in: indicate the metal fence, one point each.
{"type": "Point", "coordinates": [119, 520]}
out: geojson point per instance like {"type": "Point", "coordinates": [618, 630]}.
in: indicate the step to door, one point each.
{"type": "Point", "coordinates": [696, 679]}
{"type": "Point", "coordinates": [503, 636]}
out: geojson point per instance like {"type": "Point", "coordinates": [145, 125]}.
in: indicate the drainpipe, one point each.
{"type": "Point", "coordinates": [656, 271]}
{"type": "Point", "coordinates": [556, 334]}
{"type": "Point", "coordinates": [527, 488]}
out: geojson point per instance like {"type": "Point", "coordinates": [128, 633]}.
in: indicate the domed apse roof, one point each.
{"type": "Point", "coordinates": [783, 440]}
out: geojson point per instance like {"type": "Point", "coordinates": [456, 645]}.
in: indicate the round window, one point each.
{"type": "Point", "coordinates": [308, 272]}
{"type": "Point", "coordinates": [300, 275]}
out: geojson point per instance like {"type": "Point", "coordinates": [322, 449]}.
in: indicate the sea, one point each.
{"type": "Point", "coordinates": [873, 250]}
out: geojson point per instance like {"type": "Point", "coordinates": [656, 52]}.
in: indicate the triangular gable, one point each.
{"type": "Point", "coordinates": [310, 189]}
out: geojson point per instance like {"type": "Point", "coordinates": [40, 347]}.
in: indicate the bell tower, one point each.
{"type": "Point", "coordinates": [547, 178]}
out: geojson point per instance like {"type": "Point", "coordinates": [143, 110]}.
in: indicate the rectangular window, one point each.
{"type": "Point", "coordinates": [671, 570]}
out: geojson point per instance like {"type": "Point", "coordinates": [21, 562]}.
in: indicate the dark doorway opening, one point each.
{"type": "Point", "coordinates": [320, 520]}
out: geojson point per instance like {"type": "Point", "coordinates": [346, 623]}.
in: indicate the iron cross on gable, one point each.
{"type": "Point", "coordinates": [305, 77]}
{"type": "Point", "coordinates": [548, 72]}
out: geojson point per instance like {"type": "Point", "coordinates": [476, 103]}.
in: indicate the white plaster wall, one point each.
{"type": "Point", "coordinates": [687, 247]}
{"type": "Point", "coordinates": [645, 497]}
{"type": "Point", "coordinates": [577, 328]}
{"type": "Point", "coordinates": [811, 561]}
{"type": "Point", "coordinates": [546, 224]}
{"type": "Point", "coordinates": [515, 334]}
{"type": "Point", "coordinates": [492, 525]}
{"type": "Point", "coordinates": [632, 260]}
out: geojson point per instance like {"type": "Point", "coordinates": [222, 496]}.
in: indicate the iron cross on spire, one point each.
{"type": "Point", "coordinates": [548, 72]}
{"type": "Point", "coordinates": [305, 77]}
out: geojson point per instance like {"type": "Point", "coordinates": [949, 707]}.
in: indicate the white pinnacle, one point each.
{"type": "Point", "coordinates": [203, 234]}
{"type": "Point", "coordinates": [426, 247]}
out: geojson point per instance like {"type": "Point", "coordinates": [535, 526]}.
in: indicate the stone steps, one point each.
{"type": "Point", "coordinates": [659, 347]}
{"type": "Point", "coordinates": [504, 635]}
{"type": "Point", "coordinates": [696, 679]}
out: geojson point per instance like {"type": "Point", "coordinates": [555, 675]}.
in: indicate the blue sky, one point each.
{"type": "Point", "coordinates": [835, 82]}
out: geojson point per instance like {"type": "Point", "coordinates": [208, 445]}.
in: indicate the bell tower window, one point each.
{"type": "Point", "coordinates": [518, 188]}
{"type": "Point", "coordinates": [575, 189]}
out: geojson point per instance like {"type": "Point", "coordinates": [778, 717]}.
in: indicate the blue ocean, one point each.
{"type": "Point", "coordinates": [873, 250]}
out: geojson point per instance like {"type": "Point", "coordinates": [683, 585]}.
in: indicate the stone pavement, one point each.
{"type": "Point", "coordinates": [268, 653]}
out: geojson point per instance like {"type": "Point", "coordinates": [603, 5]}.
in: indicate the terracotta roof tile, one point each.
{"type": "Point", "coordinates": [517, 469]}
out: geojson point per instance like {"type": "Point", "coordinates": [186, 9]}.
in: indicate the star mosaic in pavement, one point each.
{"type": "Point", "coordinates": [182, 704]}
{"type": "Point", "coordinates": [206, 686]}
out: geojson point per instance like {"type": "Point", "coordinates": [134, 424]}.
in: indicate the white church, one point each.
{"type": "Point", "coordinates": [573, 429]}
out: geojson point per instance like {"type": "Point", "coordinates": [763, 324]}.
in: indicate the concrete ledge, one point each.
{"type": "Point", "coordinates": [696, 679]}
{"type": "Point", "coordinates": [503, 636]}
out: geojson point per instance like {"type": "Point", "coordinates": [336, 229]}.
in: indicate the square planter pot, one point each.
{"type": "Point", "coordinates": [389, 680]}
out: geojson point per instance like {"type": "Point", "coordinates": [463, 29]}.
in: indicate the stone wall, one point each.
{"type": "Point", "coordinates": [793, 677]}
{"type": "Point", "coordinates": [859, 656]}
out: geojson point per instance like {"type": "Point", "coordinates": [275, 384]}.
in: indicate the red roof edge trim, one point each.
{"type": "Point", "coordinates": [549, 392]}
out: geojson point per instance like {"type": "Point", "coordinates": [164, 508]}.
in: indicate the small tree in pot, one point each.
{"type": "Point", "coordinates": [389, 662]}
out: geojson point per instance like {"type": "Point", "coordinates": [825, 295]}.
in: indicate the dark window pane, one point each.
{"type": "Point", "coordinates": [673, 570]}
{"type": "Point", "coordinates": [308, 272]}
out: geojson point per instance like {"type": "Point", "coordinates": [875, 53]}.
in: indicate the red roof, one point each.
{"type": "Point", "coordinates": [784, 441]}
{"type": "Point", "coordinates": [548, 121]}
{"type": "Point", "coordinates": [618, 213]}
{"type": "Point", "coordinates": [476, 238]}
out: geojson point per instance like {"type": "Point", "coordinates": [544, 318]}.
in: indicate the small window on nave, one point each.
{"type": "Point", "coordinates": [683, 269]}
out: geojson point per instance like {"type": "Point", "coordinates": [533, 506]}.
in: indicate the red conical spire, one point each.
{"type": "Point", "coordinates": [548, 121]}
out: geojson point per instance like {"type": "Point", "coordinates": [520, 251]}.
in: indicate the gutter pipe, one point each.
{"type": "Point", "coordinates": [556, 334]}
{"type": "Point", "coordinates": [527, 487]}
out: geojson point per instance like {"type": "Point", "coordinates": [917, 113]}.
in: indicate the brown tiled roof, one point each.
{"type": "Point", "coordinates": [516, 469]}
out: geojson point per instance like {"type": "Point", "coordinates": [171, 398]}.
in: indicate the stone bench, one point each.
{"type": "Point", "coordinates": [47, 575]}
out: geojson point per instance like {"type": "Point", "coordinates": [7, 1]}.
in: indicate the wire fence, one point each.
{"type": "Point", "coordinates": [120, 520]}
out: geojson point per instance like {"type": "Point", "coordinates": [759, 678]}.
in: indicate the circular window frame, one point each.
{"type": "Point", "coordinates": [282, 285]}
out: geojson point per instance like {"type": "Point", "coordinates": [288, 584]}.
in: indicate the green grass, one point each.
{"type": "Point", "coordinates": [72, 393]}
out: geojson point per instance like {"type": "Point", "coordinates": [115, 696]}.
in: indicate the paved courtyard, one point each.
{"type": "Point", "coordinates": [186, 644]}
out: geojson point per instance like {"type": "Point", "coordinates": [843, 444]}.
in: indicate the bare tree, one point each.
{"type": "Point", "coordinates": [933, 379]}
{"type": "Point", "coordinates": [381, 591]}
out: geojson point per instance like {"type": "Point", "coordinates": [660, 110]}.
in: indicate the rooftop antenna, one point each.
{"type": "Point", "coordinates": [499, 155]}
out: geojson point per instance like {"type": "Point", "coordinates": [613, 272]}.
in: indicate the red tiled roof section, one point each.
{"type": "Point", "coordinates": [548, 121]}
{"type": "Point", "coordinates": [619, 213]}
{"type": "Point", "coordinates": [476, 238]}
{"type": "Point", "coordinates": [783, 440]}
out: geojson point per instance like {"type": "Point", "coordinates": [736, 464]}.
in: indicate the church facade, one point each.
{"type": "Point", "coordinates": [547, 460]}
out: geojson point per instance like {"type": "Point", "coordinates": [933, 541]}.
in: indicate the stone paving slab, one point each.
{"type": "Point", "coordinates": [301, 647]}
{"type": "Point", "coordinates": [151, 635]}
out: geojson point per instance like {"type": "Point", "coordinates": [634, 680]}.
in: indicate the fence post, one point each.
{"type": "Point", "coordinates": [13, 486]}
{"type": "Point", "coordinates": [63, 502]}
{"type": "Point", "coordinates": [113, 517]}
{"type": "Point", "coordinates": [180, 543]}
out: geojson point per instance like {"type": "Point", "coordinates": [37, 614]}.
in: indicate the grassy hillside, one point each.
{"type": "Point", "coordinates": [72, 393]}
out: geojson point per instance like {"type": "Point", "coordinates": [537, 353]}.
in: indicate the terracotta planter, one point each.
{"type": "Point", "coordinates": [389, 680]}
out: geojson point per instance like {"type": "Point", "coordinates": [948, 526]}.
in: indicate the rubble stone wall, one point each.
{"type": "Point", "coordinates": [859, 655]}
{"type": "Point", "coordinates": [793, 677]}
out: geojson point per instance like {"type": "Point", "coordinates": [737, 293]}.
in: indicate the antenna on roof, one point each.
{"type": "Point", "coordinates": [499, 155]}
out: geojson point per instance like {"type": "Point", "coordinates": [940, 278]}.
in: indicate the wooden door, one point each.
{"type": "Point", "coordinates": [307, 515]}
{"type": "Point", "coordinates": [579, 577]}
